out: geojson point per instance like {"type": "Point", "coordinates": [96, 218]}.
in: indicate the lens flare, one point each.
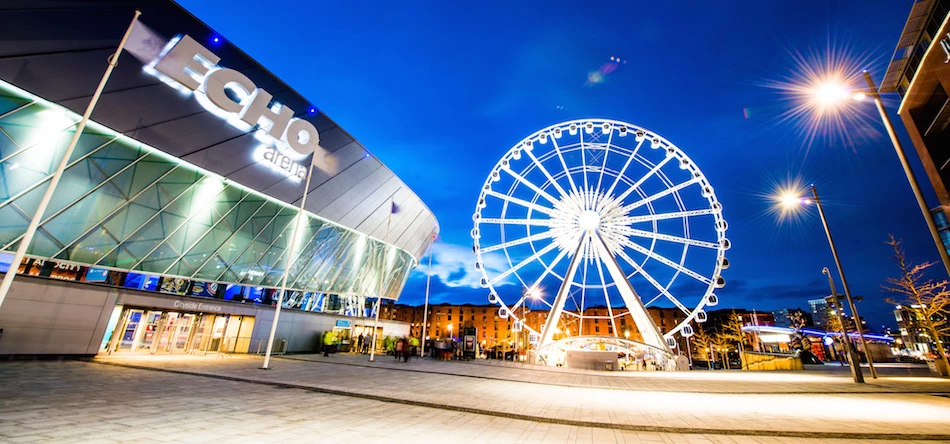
{"type": "Point", "coordinates": [823, 93]}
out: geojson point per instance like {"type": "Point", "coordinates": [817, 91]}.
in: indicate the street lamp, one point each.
{"type": "Point", "coordinates": [834, 93]}
{"type": "Point", "coordinates": [853, 361]}
{"type": "Point", "coordinates": [791, 200]}
{"type": "Point", "coordinates": [449, 328]}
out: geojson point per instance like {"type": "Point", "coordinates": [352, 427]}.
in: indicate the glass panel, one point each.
{"type": "Point", "coordinates": [10, 101]}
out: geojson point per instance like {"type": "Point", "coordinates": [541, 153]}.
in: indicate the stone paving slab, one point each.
{"type": "Point", "coordinates": [832, 379]}
{"type": "Point", "coordinates": [83, 402]}
{"type": "Point", "coordinates": [843, 415]}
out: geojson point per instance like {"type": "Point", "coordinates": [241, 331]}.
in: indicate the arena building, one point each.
{"type": "Point", "coordinates": [171, 228]}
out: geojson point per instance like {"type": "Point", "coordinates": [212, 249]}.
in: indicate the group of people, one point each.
{"type": "Point", "coordinates": [404, 348]}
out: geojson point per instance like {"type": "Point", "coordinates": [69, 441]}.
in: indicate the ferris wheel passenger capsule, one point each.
{"type": "Point", "coordinates": [720, 282]}
{"type": "Point", "coordinates": [589, 127]}
{"type": "Point", "coordinates": [476, 234]}
{"type": "Point", "coordinates": [724, 263]}
{"type": "Point", "coordinates": [716, 206]}
{"type": "Point", "coordinates": [707, 191]}
{"type": "Point", "coordinates": [712, 300]}
{"type": "Point", "coordinates": [684, 164]}
{"type": "Point", "coordinates": [481, 203]}
{"type": "Point", "coordinates": [687, 331]}
{"type": "Point", "coordinates": [495, 177]}
{"type": "Point", "coordinates": [640, 135]}
{"type": "Point", "coordinates": [572, 130]}
{"type": "Point", "coordinates": [478, 265]}
{"type": "Point", "coordinates": [671, 343]}
{"type": "Point", "coordinates": [725, 243]}
{"type": "Point", "coordinates": [503, 313]}
{"type": "Point", "coordinates": [528, 145]}
{"type": "Point", "coordinates": [557, 133]}
{"type": "Point", "coordinates": [493, 298]}
{"type": "Point", "coordinates": [623, 131]}
{"type": "Point", "coordinates": [543, 138]}
{"type": "Point", "coordinates": [701, 316]}
{"type": "Point", "coordinates": [655, 143]}
{"type": "Point", "coordinates": [605, 128]}
{"type": "Point", "coordinates": [483, 282]}
{"type": "Point", "coordinates": [722, 225]}
{"type": "Point", "coordinates": [516, 154]}
{"type": "Point", "coordinates": [670, 152]}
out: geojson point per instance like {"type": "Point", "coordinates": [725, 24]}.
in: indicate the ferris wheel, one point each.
{"type": "Point", "coordinates": [594, 220]}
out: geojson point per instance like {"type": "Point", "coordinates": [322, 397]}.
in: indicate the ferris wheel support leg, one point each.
{"type": "Point", "coordinates": [547, 333]}
{"type": "Point", "coordinates": [651, 335]}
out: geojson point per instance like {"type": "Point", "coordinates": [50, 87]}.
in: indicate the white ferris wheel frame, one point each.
{"type": "Point", "coordinates": [597, 242]}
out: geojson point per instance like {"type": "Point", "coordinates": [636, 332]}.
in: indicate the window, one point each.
{"type": "Point", "coordinates": [450, 317]}
{"type": "Point", "coordinates": [597, 329]}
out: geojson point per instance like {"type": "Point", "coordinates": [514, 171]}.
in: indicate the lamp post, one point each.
{"type": "Point", "coordinates": [830, 92]}
{"type": "Point", "coordinates": [791, 200]}
{"type": "Point", "coordinates": [845, 341]}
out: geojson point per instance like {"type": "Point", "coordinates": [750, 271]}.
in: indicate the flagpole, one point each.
{"type": "Point", "coordinates": [379, 295]}
{"type": "Point", "coordinates": [425, 312]}
{"type": "Point", "coordinates": [38, 215]}
{"type": "Point", "coordinates": [290, 261]}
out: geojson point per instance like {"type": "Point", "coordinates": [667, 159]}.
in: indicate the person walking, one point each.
{"type": "Point", "coordinates": [414, 345]}
{"type": "Point", "coordinates": [328, 341]}
{"type": "Point", "coordinates": [359, 343]}
{"type": "Point", "coordinates": [400, 347]}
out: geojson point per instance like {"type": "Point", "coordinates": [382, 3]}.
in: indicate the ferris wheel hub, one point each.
{"type": "Point", "coordinates": [589, 220]}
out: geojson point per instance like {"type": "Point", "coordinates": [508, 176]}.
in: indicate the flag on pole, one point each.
{"type": "Point", "coordinates": [395, 208]}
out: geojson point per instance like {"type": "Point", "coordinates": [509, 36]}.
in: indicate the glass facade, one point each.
{"type": "Point", "coordinates": [125, 206]}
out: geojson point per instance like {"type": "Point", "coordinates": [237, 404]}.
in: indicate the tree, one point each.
{"type": "Point", "coordinates": [720, 341]}
{"type": "Point", "coordinates": [701, 342]}
{"type": "Point", "coordinates": [732, 331]}
{"type": "Point", "coordinates": [929, 299]}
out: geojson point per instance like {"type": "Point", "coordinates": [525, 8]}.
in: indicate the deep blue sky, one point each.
{"type": "Point", "coordinates": [439, 91]}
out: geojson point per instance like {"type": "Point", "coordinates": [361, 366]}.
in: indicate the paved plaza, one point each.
{"type": "Point", "coordinates": [346, 398]}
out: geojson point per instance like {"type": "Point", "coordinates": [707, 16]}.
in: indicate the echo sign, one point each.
{"type": "Point", "coordinates": [191, 68]}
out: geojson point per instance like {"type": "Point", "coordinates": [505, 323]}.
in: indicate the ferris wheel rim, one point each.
{"type": "Point", "coordinates": [698, 179]}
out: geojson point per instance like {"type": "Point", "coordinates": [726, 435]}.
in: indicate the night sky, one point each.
{"type": "Point", "coordinates": [439, 92]}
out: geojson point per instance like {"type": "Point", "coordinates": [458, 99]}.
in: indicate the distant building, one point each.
{"type": "Point", "coordinates": [819, 312]}
{"type": "Point", "coordinates": [916, 340]}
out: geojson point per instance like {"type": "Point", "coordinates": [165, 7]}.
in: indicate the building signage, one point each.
{"type": "Point", "coordinates": [945, 44]}
{"type": "Point", "coordinates": [199, 306]}
{"type": "Point", "coordinates": [193, 69]}
{"type": "Point", "coordinates": [343, 323]}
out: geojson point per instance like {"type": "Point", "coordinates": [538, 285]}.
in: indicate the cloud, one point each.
{"type": "Point", "coordinates": [454, 265]}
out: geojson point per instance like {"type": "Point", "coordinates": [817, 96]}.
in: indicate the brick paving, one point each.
{"type": "Point", "coordinates": [351, 399]}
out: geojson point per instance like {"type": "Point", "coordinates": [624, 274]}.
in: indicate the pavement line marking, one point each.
{"type": "Point", "coordinates": [557, 421]}
{"type": "Point", "coordinates": [606, 387]}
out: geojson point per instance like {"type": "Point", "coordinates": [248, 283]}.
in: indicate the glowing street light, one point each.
{"type": "Point", "coordinates": [832, 95]}
{"type": "Point", "coordinates": [791, 200]}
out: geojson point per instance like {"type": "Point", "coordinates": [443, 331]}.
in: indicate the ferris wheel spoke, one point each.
{"type": "Point", "coordinates": [567, 171]}
{"type": "Point", "coordinates": [627, 220]}
{"type": "Point", "coordinates": [524, 240]}
{"type": "Point", "coordinates": [636, 185]}
{"type": "Point", "coordinates": [547, 174]}
{"type": "Point", "coordinates": [521, 202]}
{"type": "Point", "coordinates": [532, 222]}
{"type": "Point", "coordinates": [663, 260]}
{"type": "Point", "coordinates": [659, 195]}
{"type": "Point", "coordinates": [624, 168]}
{"type": "Point", "coordinates": [600, 177]}
{"type": "Point", "coordinates": [663, 291]}
{"type": "Point", "coordinates": [521, 264]}
{"type": "Point", "coordinates": [530, 185]}
{"type": "Point", "coordinates": [666, 237]}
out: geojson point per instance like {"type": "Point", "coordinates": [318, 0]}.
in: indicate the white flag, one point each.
{"type": "Point", "coordinates": [144, 43]}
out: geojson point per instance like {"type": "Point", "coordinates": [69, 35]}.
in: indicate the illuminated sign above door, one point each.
{"type": "Point", "coordinates": [193, 69]}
